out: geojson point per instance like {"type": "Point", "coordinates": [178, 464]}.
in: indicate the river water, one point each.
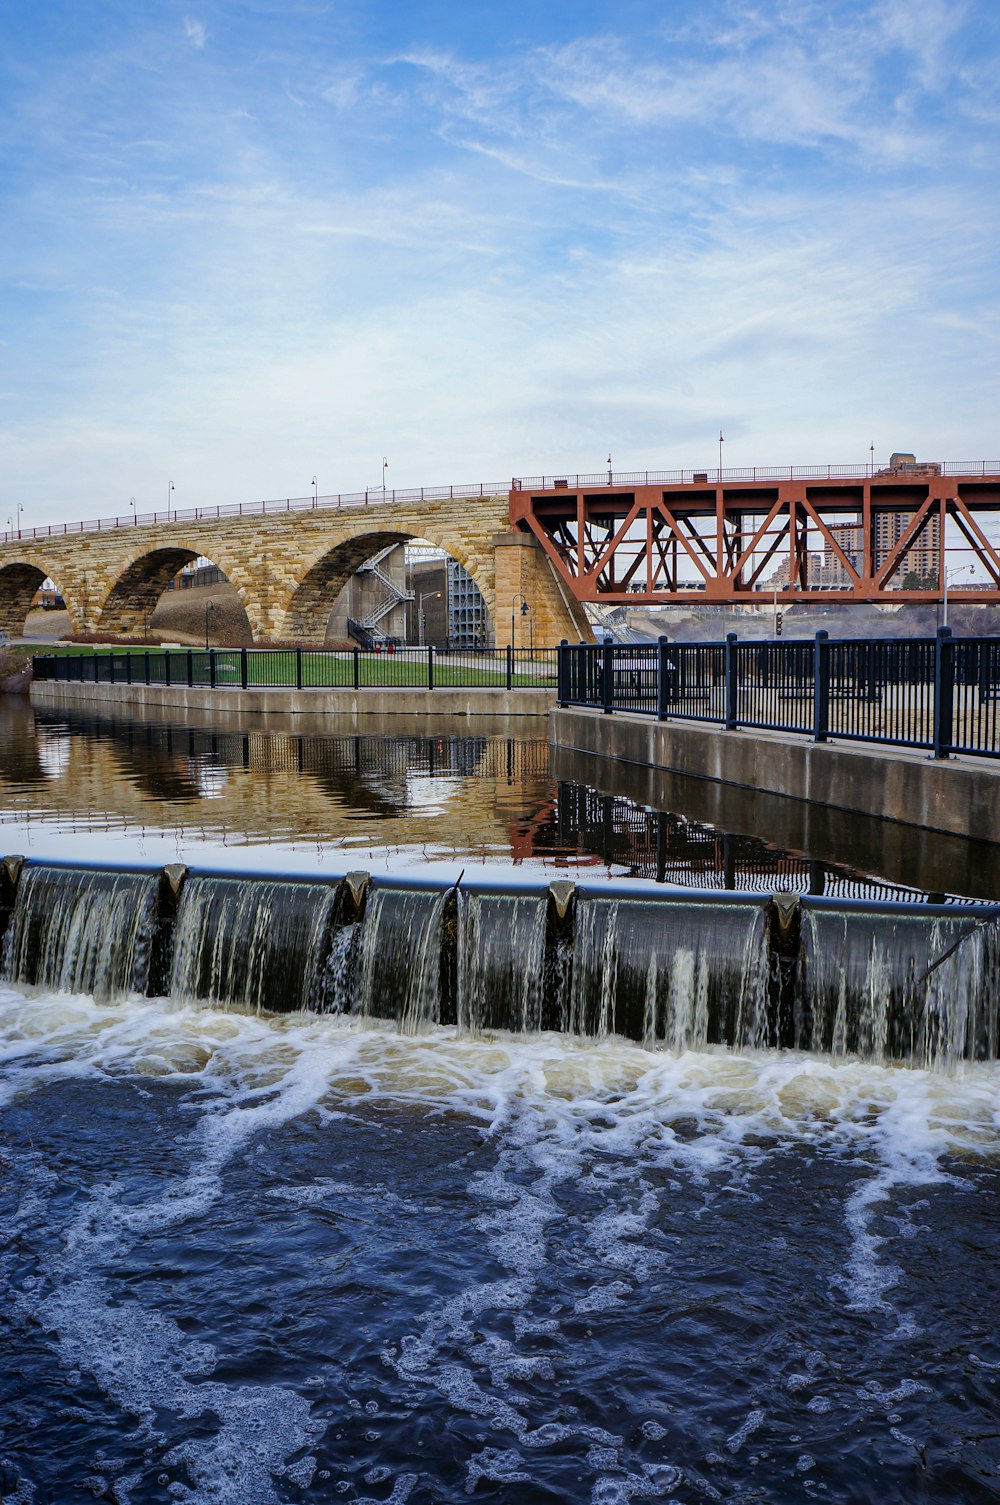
{"type": "Point", "coordinates": [268, 1258]}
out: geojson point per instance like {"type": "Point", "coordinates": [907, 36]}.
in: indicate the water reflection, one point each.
{"type": "Point", "coordinates": [172, 789]}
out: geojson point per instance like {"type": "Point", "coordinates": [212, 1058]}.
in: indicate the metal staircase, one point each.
{"type": "Point", "coordinates": [392, 598]}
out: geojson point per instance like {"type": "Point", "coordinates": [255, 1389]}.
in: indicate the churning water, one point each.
{"type": "Point", "coordinates": [254, 1259]}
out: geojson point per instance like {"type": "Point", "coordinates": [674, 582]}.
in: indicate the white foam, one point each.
{"type": "Point", "coordinates": [556, 1112]}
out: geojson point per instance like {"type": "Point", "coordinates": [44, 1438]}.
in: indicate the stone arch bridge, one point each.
{"type": "Point", "coordinates": [288, 566]}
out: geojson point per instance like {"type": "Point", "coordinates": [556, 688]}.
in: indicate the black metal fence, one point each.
{"type": "Point", "coordinates": [309, 668]}
{"type": "Point", "coordinates": [940, 693]}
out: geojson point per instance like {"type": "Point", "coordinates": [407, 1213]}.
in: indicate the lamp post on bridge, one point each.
{"type": "Point", "coordinates": [170, 488]}
{"type": "Point", "coordinates": [315, 486]}
{"type": "Point", "coordinates": [385, 467]}
{"type": "Point", "coordinates": [131, 502]}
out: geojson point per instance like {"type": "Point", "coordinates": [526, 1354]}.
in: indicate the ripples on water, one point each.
{"type": "Point", "coordinates": [289, 1259]}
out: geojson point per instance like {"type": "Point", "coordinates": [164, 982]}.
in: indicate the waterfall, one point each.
{"type": "Point", "coordinates": [672, 973]}
{"type": "Point", "coordinates": [254, 944]}
{"type": "Point", "coordinates": [401, 957]}
{"type": "Point", "coordinates": [501, 961]}
{"type": "Point", "coordinates": [77, 931]}
{"type": "Point", "coordinates": [899, 986]}
{"type": "Point", "coordinates": [676, 974]}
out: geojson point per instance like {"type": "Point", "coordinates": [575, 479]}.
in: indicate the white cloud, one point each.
{"type": "Point", "coordinates": [195, 32]}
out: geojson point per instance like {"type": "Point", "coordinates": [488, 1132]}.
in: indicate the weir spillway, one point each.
{"type": "Point", "coordinates": [675, 971]}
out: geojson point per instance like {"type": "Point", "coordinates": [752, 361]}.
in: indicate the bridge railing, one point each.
{"type": "Point", "coordinates": [713, 476]}
{"type": "Point", "coordinates": [308, 668]}
{"type": "Point", "coordinates": [376, 497]}
{"type": "Point", "coordinates": [940, 693]}
{"type": "Point", "coordinates": [384, 496]}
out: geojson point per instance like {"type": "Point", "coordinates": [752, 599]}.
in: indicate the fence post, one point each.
{"type": "Point", "coordinates": [944, 691]}
{"type": "Point", "coordinates": [166, 666]}
{"type": "Point", "coordinates": [562, 695]}
{"type": "Point", "coordinates": [730, 661]}
{"type": "Point", "coordinates": [190, 668]}
{"type": "Point", "coordinates": [128, 668]}
{"type": "Point", "coordinates": [430, 666]}
{"type": "Point", "coordinates": [357, 668]}
{"type": "Point", "coordinates": [608, 678]}
{"type": "Point", "coordinates": [244, 667]}
{"type": "Point", "coordinates": [821, 687]}
{"type": "Point", "coordinates": [146, 657]}
{"type": "Point", "coordinates": [662, 671]}
{"type": "Point", "coordinates": [298, 668]}
{"type": "Point", "coordinates": [510, 666]}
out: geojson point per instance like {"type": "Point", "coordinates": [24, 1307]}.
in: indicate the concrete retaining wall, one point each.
{"type": "Point", "coordinates": [382, 702]}
{"type": "Point", "coordinates": [960, 796]}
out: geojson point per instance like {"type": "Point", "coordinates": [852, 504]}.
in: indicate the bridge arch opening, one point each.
{"type": "Point", "coordinates": [20, 583]}
{"type": "Point", "coordinates": [389, 586]}
{"type": "Point", "coordinates": [177, 594]}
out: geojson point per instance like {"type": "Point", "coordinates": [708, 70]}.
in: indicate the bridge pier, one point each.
{"type": "Point", "coordinates": [523, 574]}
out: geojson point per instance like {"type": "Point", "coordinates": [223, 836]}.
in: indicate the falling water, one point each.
{"type": "Point", "coordinates": [401, 955]}
{"type": "Point", "coordinates": [680, 975]}
{"type": "Point", "coordinates": [501, 961]}
{"type": "Point", "coordinates": [76, 931]}
{"type": "Point", "coordinates": [892, 986]}
{"type": "Point", "coordinates": [253, 945]}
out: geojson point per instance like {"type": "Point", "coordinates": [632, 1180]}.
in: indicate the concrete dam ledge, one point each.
{"type": "Point", "coordinates": [960, 796]}
{"type": "Point", "coordinates": [381, 701]}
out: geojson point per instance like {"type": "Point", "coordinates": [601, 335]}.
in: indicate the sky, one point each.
{"type": "Point", "coordinates": [244, 244]}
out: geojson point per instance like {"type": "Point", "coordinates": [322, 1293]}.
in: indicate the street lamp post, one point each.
{"type": "Point", "coordinates": [170, 488]}
{"type": "Point", "coordinates": [209, 606]}
{"type": "Point", "coordinates": [315, 486]}
{"type": "Point", "coordinates": [961, 569]}
{"type": "Point", "coordinates": [424, 596]}
{"type": "Point", "coordinates": [131, 502]}
{"type": "Point", "coordinates": [385, 467]}
{"type": "Point", "coordinates": [525, 611]}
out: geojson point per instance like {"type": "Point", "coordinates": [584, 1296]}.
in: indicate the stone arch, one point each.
{"type": "Point", "coordinates": [19, 580]}
{"type": "Point", "coordinates": [307, 607]}
{"type": "Point", "coordinates": [130, 603]}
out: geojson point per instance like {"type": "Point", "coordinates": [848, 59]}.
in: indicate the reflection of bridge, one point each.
{"type": "Point", "coordinates": [70, 773]}
{"type": "Point", "coordinates": [828, 533]}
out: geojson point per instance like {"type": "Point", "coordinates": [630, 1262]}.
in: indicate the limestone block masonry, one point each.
{"type": "Point", "coordinates": [959, 796]}
{"type": "Point", "coordinates": [288, 567]}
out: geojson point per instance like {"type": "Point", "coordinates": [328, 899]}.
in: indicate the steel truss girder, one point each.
{"type": "Point", "coordinates": [673, 543]}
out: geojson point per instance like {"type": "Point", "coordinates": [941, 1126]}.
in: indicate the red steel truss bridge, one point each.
{"type": "Point", "coordinates": [911, 532]}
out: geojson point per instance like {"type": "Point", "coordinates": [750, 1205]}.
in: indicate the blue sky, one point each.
{"type": "Point", "coordinates": [247, 243]}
